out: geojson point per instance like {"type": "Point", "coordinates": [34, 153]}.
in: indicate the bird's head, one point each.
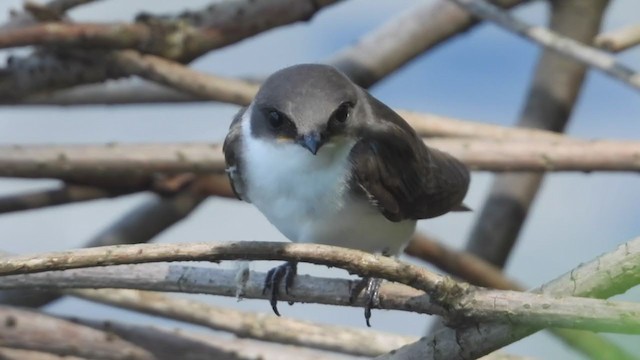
{"type": "Point", "coordinates": [310, 105]}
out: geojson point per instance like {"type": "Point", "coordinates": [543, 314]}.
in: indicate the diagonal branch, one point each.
{"type": "Point", "coordinates": [141, 224]}
{"type": "Point", "coordinates": [479, 272]}
{"type": "Point", "coordinates": [460, 264]}
{"type": "Point", "coordinates": [403, 38]}
{"type": "Point", "coordinates": [603, 277]}
{"type": "Point", "coordinates": [35, 12]}
{"type": "Point", "coordinates": [180, 77]}
{"type": "Point", "coordinates": [587, 55]}
{"type": "Point", "coordinates": [619, 40]}
{"type": "Point", "coordinates": [30, 330]}
{"type": "Point", "coordinates": [65, 194]}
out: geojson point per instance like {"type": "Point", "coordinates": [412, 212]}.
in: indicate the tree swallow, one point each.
{"type": "Point", "coordinates": [328, 163]}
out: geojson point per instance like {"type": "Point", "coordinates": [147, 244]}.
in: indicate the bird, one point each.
{"type": "Point", "coordinates": [326, 162]}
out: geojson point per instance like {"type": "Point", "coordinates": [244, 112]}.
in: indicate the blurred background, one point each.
{"type": "Point", "coordinates": [482, 75]}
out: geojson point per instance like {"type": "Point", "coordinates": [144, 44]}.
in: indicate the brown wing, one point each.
{"type": "Point", "coordinates": [400, 175]}
{"type": "Point", "coordinates": [231, 148]}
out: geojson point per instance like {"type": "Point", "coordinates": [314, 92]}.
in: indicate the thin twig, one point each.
{"type": "Point", "coordinates": [585, 54]}
{"type": "Point", "coordinates": [619, 40]}
{"type": "Point", "coordinates": [460, 300]}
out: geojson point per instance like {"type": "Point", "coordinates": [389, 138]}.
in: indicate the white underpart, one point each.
{"type": "Point", "coordinates": [306, 196]}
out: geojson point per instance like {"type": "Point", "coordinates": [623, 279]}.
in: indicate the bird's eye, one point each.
{"type": "Point", "coordinates": [341, 114]}
{"type": "Point", "coordinates": [276, 118]}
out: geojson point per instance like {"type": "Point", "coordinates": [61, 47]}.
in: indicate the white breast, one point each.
{"type": "Point", "coordinates": [306, 196]}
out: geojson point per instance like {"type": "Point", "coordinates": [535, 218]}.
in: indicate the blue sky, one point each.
{"type": "Point", "coordinates": [482, 75]}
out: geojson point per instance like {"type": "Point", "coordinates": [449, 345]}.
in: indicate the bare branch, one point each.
{"type": "Point", "coordinates": [401, 39]}
{"type": "Point", "coordinates": [250, 349]}
{"type": "Point", "coordinates": [251, 325]}
{"type": "Point", "coordinates": [117, 36]}
{"type": "Point", "coordinates": [60, 337]}
{"type": "Point", "coordinates": [117, 92]}
{"type": "Point", "coordinates": [54, 9]}
{"type": "Point", "coordinates": [198, 32]}
{"type": "Point", "coordinates": [619, 40]}
{"type": "Point", "coordinates": [180, 344]}
{"type": "Point", "coordinates": [479, 272]}
{"type": "Point", "coordinates": [130, 165]}
{"type": "Point", "coordinates": [136, 226]}
{"type": "Point", "coordinates": [351, 260]}
{"type": "Point", "coordinates": [603, 277]}
{"type": "Point", "coordinates": [18, 354]}
{"type": "Point", "coordinates": [148, 220]}
{"type": "Point", "coordinates": [182, 78]}
{"type": "Point", "coordinates": [199, 280]}
{"type": "Point", "coordinates": [29, 330]}
{"type": "Point", "coordinates": [461, 264]}
{"type": "Point", "coordinates": [43, 71]}
{"type": "Point", "coordinates": [366, 62]}
{"type": "Point", "coordinates": [587, 55]}
{"type": "Point", "coordinates": [241, 92]}
{"type": "Point", "coordinates": [62, 195]}
{"type": "Point", "coordinates": [62, 6]}
{"type": "Point", "coordinates": [429, 125]}
{"type": "Point", "coordinates": [461, 301]}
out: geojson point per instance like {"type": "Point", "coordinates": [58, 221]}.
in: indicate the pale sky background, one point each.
{"type": "Point", "coordinates": [482, 75]}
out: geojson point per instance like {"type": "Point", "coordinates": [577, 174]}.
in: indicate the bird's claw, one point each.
{"type": "Point", "coordinates": [371, 287]}
{"type": "Point", "coordinates": [272, 282]}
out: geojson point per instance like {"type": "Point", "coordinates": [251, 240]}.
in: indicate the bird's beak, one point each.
{"type": "Point", "coordinates": [312, 142]}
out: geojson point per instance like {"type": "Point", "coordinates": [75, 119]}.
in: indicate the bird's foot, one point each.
{"type": "Point", "coordinates": [371, 287]}
{"type": "Point", "coordinates": [272, 282]}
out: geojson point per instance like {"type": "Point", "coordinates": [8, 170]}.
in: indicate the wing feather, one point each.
{"type": "Point", "coordinates": [231, 148]}
{"type": "Point", "coordinates": [400, 175]}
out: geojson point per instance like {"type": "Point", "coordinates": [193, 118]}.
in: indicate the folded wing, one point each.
{"type": "Point", "coordinates": [400, 175]}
